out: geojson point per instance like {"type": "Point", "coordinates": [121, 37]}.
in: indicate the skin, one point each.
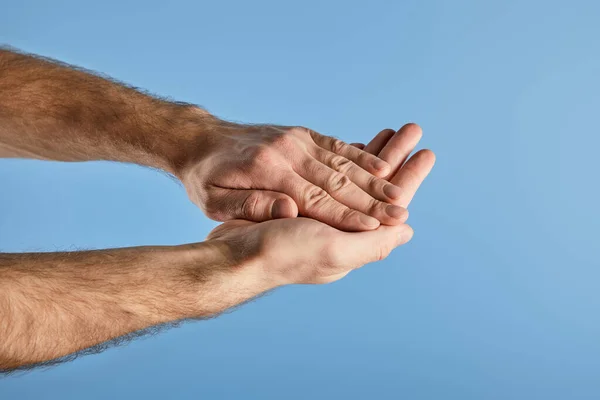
{"type": "Point", "coordinates": [395, 148]}
{"type": "Point", "coordinates": [55, 304]}
{"type": "Point", "coordinates": [53, 111]}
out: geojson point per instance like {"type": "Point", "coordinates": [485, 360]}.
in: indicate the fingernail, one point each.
{"type": "Point", "coordinates": [392, 191]}
{"type": "Point", "coordinates": [396, 212]}
{"type": "Point", "coordinates": [280, 209]}
{"type": "Point", "coordinates": [380, 165]}
{"type": "Point", "coordinates": [370, 222]}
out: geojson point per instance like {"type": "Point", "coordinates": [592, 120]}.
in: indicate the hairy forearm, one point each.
{"type": "Point", "coordinates": [54, 304]}
{"type": "Point", "coordinates": [50, 110]}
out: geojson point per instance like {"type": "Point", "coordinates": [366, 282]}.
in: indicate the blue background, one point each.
{"type": "Point", "coordinates": [497, 295]}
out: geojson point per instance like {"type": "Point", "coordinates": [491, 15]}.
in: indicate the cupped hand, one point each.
{"type": "Point", "coordinates": [300, 250]}
{"type": "Point", "coordinates": [263, 172]}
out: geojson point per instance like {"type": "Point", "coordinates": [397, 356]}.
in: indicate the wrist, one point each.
{"type": "Point", "coordinates": [189, 139]}
{"type": "Point", "coordinates": [221, 278]}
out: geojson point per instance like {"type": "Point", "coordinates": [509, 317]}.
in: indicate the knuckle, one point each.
{"type": "Point", "coordinates": [376, 185]}
{"type": "Point", "coordinates": [336, 182]}
{"type": "Point", "coordinates": [373, 183]}
{"type": "Point", "coordinates": [261, 155]}
{"type": "Point", "coordinates": [365, 158]}
{"type": "Point", "coordinates": [337, 146]}
{"type": "Point", "coordinates": [315, 197]}
{"type": "Point", "coordinates": [341, 164]}
{"type": "Point", "coordinates": [250, 204]}
{"type": "Point", "coordinates": [301, 130]}
{"type": "Point", "coordinates": [303, 133]}
{"type": "Point", "coordinates": [283, 139]}
{"type": "Point", "coordinates": [348, 214]}
{"type": "Point", "coordinates": [375, 206]}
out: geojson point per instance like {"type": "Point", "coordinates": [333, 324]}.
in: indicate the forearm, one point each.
{"type": "Point", "coordinates": [52, 111]}
{"type": "Point", "coordinates": [54, 304]}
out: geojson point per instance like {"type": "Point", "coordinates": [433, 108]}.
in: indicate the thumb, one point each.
{"type": "Point", "coordinates": [254, 205]}
{"type": "Point", "coordinates": [361, 248]}
{"type": "Point", "coordinates": [222, 230]}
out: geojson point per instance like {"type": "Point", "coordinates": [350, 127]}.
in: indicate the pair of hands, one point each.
{"type": "Point", "coordinates": [258, 178]}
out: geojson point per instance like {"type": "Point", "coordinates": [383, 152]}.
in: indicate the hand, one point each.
{"type": "Point", "coordinates": [395, 147]}
{"type": "Point", "coordinates": [301, 250]}
{"type": "Point", "coordinates": [259, 173]}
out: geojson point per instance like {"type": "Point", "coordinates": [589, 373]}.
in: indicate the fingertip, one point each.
{"type": "Point", "coordinates": [412, 128]}
{"type": "Point", "coordinates": [380, 168]}
{"type": "Point", "coordinates": [400, 214]}
{"type": "Point", "coordinates": [379, 141]}
{"type": "Point", "coordinates": [358, 145]}
{"type": "Point", "coordinates": [404, 234]}
{"type": "Point", "coordinates": [425, 159]}
{"type": "Point", "coordinates": [368, 222]}
{"type": "Point", "coordinates": [380, 165]}
{"type": "Point", "coordinates": [405, 215]}
{"type": "Point", "coordinates": [430, 155]}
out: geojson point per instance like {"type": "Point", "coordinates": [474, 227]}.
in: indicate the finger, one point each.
{"type": "Point", "coordinates": [412, 174]}
{"type": "Point", "coordinates": [358, 249]}
{"type": "Point", "coordinates": [341, 188]}
{"type": "Point", "coordinates": [314, 202]}
{"type": "Point", "coordinates": [358, 145]}
{"type": "Point", "coordinates": [377, 188]}
{"type": "Point", "coordinates": [379, 141]}
{"type": "Point", "coordinates": [400, 145]}
{"type": "Point", "coordinates": [252, 205]}
{"type": "Point", "coordinates": [367, 161]}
